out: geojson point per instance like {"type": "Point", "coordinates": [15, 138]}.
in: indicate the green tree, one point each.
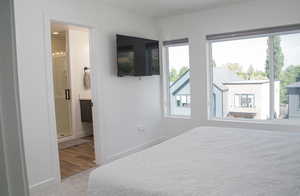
{"type": "Point", "coordinates": [278, 57]}
{"type": "Point", "coordinates": [182, 71]}
{"type": "Point", "coordinates": [213, 63]}
{"type": "Point", "coordinates": [259, 75]}
{"type": "Point", "coordinates": [287, 77]}
{"type": "Point", "coordinates": [173, 75]}
{"type": "Point", "coordinates": [242, 75]}
{"type": "Point", "coordinates": [250, 73]}
{"type": "Point", "coordinates": [235, 67]}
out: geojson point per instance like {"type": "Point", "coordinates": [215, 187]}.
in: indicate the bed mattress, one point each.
{"type": "Point", "coordinates": [207, 161]}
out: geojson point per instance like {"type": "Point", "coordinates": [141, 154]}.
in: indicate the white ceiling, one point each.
{"type": "Point", "coordinates": [158, 8]}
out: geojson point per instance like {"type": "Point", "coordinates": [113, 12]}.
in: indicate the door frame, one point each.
{"type": "Point", "coordinates": [95, 85]}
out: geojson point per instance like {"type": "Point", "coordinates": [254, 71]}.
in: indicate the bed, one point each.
{"type": "Point", "coordinates": [207, 161]}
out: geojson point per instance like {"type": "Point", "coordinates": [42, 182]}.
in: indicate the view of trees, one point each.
{"type": "Point", "coordinates": [286, 76]}
{"type": "Point", "coordinates": [278, 57]}
{"type": "Point", "coordinates": [250, 74]}
{"type": "Point", "coordinates": [174, 74]}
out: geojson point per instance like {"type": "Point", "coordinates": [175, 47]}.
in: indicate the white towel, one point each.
{"type": "Point", "coordinates": [87, 79]}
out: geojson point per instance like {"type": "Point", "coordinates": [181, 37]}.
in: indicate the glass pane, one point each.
{"type": "Point", "coordinates": [287, 58]}
{"type": "Point", "coordinates": [241, 85]}
{"type": "Point", "coordinates": [179, 77]}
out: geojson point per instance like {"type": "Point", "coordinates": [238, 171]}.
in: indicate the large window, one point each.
{"type": "Point", "coordinates": [255, 77]}
{"type": "Point", "coordinates": [178, 78]}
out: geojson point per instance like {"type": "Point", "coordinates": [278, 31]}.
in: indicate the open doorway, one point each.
{"type": "Point", "coordinates": [72, 97]}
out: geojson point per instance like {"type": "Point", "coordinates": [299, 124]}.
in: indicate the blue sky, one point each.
{"type": "Point", "coordinates": [252, 51]}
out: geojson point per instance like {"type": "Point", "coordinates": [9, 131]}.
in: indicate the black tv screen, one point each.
{"type": "Point", "coordinates": [137, 56]}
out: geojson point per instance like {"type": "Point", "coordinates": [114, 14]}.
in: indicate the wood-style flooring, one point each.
{"type": "Point", "coordinates": [77, 158]}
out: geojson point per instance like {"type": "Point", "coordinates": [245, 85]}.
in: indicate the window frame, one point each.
{"type": "Point", "coordinates": [166, 84]}
{"type": "Point", "coordinates": [256, 33]}
{"type": "Point", "coordinates": [298, 107]}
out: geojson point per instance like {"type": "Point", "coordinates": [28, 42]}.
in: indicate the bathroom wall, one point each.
{"type": "Point", "coordinates": [79, 58]}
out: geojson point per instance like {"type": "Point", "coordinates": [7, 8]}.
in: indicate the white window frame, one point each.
{"type": "Point", "coordinates": [256, 33]}
{"type": "Point", "coordinates": [298, 108]}
{"type": "Point", "coordinates": [166, 82]}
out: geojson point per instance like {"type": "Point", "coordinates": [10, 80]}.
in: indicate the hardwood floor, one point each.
{"type": "Point", "coordinates": [77, 158]}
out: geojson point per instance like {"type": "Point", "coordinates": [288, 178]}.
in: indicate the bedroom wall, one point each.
{"type": "Point", "coordinates": [122, 104]}
{"type": "Point", "coordinates": [13, 178]}
{"type": "Point", "coordinates": [195, 26]}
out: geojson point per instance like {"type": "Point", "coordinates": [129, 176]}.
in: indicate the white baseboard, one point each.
{"type": "Point", "coordinates": [41, 188]}
{"type": "Point", "coordinates": [134, 150]}
{"type": "Point", "coordinates": [51, 184]}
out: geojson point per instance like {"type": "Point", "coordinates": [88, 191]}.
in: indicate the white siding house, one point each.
{"type": "Point", "coordinates": [231, 96]}
{"type": "Point", "coordinates": [251, 99]}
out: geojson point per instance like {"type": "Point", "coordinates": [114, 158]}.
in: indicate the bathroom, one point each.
{"type": "Point", "coordinates": [72, 94]}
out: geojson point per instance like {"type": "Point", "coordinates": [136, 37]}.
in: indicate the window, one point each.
{"type": "Point", "coordinates": [178, 77]}
{"type": "Point", "coordinates": [256, 77]}
{"type": "Point", "coordinates": [183, 101]}
{"type": "Point", "coordinates": [244, 100]}
{"type": "Point", "coordinates": [299, 102]}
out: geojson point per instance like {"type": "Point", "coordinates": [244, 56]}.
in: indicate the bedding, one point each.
{"type": "Point", "coordinates": [207, 161]}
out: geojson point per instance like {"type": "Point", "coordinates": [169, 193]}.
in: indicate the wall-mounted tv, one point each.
{"type": "Point", "coordinates": [137, 56]}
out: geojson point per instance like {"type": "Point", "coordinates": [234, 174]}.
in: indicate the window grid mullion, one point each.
{"type": "Point", "coordinates": [168, 82]}
{"type": "Point", "coordinates": [210, 96]}
{"type": "Point", "coordinates": [272, 76]}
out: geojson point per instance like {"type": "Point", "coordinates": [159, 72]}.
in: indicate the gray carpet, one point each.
{"type": "Point", "coordinates": [73, 186]}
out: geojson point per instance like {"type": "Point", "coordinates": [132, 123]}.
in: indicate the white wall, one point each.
{"type": "Point", "coordinates": [122, 104]}
{"type": "Point", "coordinates": [79, 58]}
{"type": "Point", "coordinates": [195, 26]}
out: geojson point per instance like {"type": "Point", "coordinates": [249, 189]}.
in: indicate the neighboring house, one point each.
{"type": "Point", "coordinates": [231, 96]}
{"type": "Point", "coordinates": [181, 98]}
{"type": "Point", "coordinates": [220, 91]}
{"type": "Point", "coordinates": [180, 101]}
{"type": "Point", "coordinates": [250, 99]}
{"type": "Point", "coordinates": [294, 100]}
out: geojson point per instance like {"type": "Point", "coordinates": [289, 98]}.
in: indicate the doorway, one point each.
{"type": "Point", "coordinates": [72, 97]}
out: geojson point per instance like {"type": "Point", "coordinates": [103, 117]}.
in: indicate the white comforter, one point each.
{"type": "Point", "coordinates": [207, 161]}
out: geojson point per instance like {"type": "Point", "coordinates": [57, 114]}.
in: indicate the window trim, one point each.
{"type": "Point", "coordinates": [298, 107]}
{"type": "Point", "coordinates": [254, 32]}
{"type": "Point", "coordinates": [166, 83]}
{"type": "Point", "coordinates": [240, 35]}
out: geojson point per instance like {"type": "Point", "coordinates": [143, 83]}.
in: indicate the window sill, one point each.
{"type": "Point", "coordinates": [177, 117]}
{"type": "Point", "coordinates": [295, 123]}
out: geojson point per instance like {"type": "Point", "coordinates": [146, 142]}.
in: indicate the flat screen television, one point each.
{"type": "Point", "coordinates": [137, 56]}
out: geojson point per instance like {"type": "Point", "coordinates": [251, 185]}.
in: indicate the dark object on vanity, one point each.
{"type": "Point", "coordinates": [86, 110]}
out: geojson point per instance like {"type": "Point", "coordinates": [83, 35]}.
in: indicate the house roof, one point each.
{"type": "Point", "coordinates": [221, 75]}
{"type": "Point", "coordinates": [247, 82]}
{"type": "Point", "coordinates": [180, 83]}
{"type": "Point", "coordinates": [294, 85]}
